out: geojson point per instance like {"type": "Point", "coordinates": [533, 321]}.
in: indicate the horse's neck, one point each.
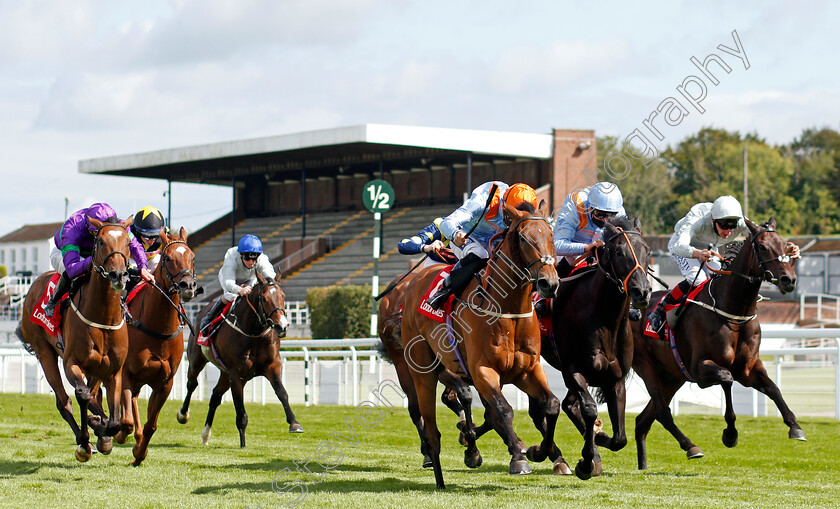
{"type": "Point", "coordinates": [156, 305]}
{"type": "Point", "coordinates": [738, 293]}
{"type": "Point", "coordinates": [245, 315]}
{"type": "Point", "coordinates": [97, 301]}
{"type": "Point", "coordinates": [605, 299]}
{"type": "Point", "coordinates": [507, 285]}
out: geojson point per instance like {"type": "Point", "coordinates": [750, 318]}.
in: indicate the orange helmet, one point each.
{"type": "Point", "coordinates": [519, 193]}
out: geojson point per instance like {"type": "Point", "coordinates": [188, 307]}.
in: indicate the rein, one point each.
{"type": "Point", "coordinates": [622, 284]}
{"type": "Point", "coordinates": [263, 318]}
{"type": "Point", "coordinates": [100, 268]}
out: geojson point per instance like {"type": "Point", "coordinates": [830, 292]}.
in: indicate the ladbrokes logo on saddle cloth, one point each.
{"type": "Point", "coordinates": [51, 325]}
{"type": "Point", "coordinates": [425, 309]}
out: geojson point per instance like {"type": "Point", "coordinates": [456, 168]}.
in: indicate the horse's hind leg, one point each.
{"type": "Point", "coordinates": [197, 363]}
{"type": "Point", "coordinates": [537, 412]}
{"type": "Point", "coordinates": [156, 402]}
{"type": "Point", "coordinates": [487, 382]}
{"type": "Point", "coordinates": [463, 395]}
{"type": "Point", "coordinates": [215, 400]}
{"type": "Point", "coordinates": [77, 379]}
{"type": "Point", "coordinates": [616, 403]}
{"type": "Point", "coordinates": [757, 378]}
{"type": "Point", "coordinates": [49, 363]}
{"type": "Point", "coordinates": [274, 375]}
{"type": "Point", "coordinates": [661, 392]}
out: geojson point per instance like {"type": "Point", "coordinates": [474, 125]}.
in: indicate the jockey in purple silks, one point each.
{"type": "Point", "coordinates": [73, 249]}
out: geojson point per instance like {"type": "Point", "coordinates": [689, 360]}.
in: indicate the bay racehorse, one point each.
{"type": "Point", "coordinates": [497, 338]}
{"type": "Point", "coordinates": [156, 340]}
{"type": "Point", "coordinates": [94, 334]}
{"type": "Point", "coordinates": [247, 343]}
{"type": "Point", "coordinates": [593, 343]}
{"type": "Point", "coordinates": [716, 341]}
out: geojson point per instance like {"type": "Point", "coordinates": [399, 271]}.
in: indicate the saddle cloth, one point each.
{"type": "Point", "coordinates": [207, 340]}
{"type": "Point", "coordinates": [670, 314]}
{"type": "Point", "coordinates": [438, 315]}
{"type": "Point", "coordinates": [51, 325]}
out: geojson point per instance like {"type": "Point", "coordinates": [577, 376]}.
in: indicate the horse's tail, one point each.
{"type": "Point", "coordinates": [23, 341]}
{"type": "Point", "coordinates": [383, 352]}
{"type": "Point", "coordinates": [598, 394]}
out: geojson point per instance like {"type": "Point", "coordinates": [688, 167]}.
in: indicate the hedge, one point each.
{"type": "Point", "coordinates": [337, 312]}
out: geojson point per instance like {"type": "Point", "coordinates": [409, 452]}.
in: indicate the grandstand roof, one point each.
{"type": "Point", "coordinates": [358, 148]}
{"type": "Point", "coordinates": [30, 232]}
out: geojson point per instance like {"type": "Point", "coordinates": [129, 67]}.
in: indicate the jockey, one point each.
{"type": "Point", "coordinates": [474, 250]}
{"type": "Point", "coordinates": [239, 273]}
{"type": "Point", "coordinates": [431, 241]}
{"type": "Point", "coordinates": [580, 225]}
{"type": "Point", "coordinates": [707, 225]}
{"type": "Point", "coordinates": [146, 228]}
{"type": "Point", "coordinates": [73, 249]}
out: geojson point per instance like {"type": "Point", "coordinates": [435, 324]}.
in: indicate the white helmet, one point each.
{"type": "Point", "coordinates": [605, 196]}
{"type": "Point", "coordinates": [726, 207]}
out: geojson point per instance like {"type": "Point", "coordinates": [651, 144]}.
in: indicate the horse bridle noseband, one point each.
{"type": "Point", "coordinates": [263, 318]}
{"type": "Point", "coordinates": [100, 268]}
{"type": "Point", "coordinates": [766, 275]}
{"type": "Point", "coordinates": [171, 277]}
{"type": "Point", "coordinates": [622, 284]}
{"type": "Point", "coordinates": [543, 260]}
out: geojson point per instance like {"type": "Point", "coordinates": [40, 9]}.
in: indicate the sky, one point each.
{"type": "Point", "coordinates": [95, 78]}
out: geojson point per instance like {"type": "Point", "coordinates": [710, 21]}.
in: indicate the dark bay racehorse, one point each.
{"type": "Point", "coordinates": [593, 343]}
{"type": "Point", "coordinates": [717, 340]}
{"type": "Point", "coordinates": [497, 338]}
{"type": "Point", "coordinates": [155, 339]}
{"type": "Point", "coordinates": [95, 337]}
{"type": "Point", "coordinates": [248, 344]}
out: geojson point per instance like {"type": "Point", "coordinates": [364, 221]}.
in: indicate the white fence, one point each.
{"type": "Point", "coordinates": [347, 371]}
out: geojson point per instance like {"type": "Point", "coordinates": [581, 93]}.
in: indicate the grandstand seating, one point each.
{"type": "Point", "coordinates": [349, 259]}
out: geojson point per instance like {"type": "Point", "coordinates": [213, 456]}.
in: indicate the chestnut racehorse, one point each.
{"type": "Point", "coordinates": [248, 344]}
{"type": "Point", "coordinates": [155, 339]}
{"type": "Point", "coordinates": [497, 335]}
{"type": "Point", "coordinates": [94, 333]}
{"type": "Point", "coordinates": [717, 340]}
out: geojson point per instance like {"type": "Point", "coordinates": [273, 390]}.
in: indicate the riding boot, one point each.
{"type": "Point", "coordinates": [457, 280]}
{"type": "Point", "coordinates": [211, 315]}
{"type": "Point", "coordinates": [60, 290]}
{"type": "Point", "coordinates": [657, 316]}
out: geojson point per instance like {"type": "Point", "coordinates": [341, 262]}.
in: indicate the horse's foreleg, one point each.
{"type": "Point", "coordinates": [197, 363]}
{"type": "Point", "coordinates": [156, 402]}
{"type": "Point", "coordinates": [757, 378]}
{"type": "Point", "coordinates": [425, 384]}
{"type": "Point", "coordinates": [487, 382]}
{"type": "Point", "coordinates": [126, 421]}
{"type": "Point", "coordinates": [237, 387]}
{"type": "Point", "coordinates": [274, 376]}
{"type": "Point", "coordinates": [463, 395]}
{"type": "Point", "coordinates": [590, 462]}
{"type": "Point", "coordinates": [76, 378]}
{"type": "Point", "coordinates": [616, 401]}
{"type": "Point", "coordinates": [571, 406]}
{"type": "Point", "coordinates": [215, 400]}
{"type": "Point", "coordinates": [114, 388]}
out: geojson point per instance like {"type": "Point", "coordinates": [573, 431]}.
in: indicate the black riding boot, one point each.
{"type": "Point", "coordinates": [214, 311]}
{"type": "Point", "coordinates": [458, 279]}
{"type": "Point", "coordinates": [60, 290]}
{"type": "Point", "coordinates": [657, 316]}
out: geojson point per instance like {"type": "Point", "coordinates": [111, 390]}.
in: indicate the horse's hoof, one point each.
{"type": "Point", "coordinates": [597, 469]}
{"type": "Point", "coordinates": [205, 435]}
{"type": "Point", "coordinates": [183, 418]}
{"type": "Point", "coordinates": [427, 462]}
{"type": "Point", "coordinates": [120, 437]}
{"type": "Point", "coordinates": [104, 445]}
{"type": "Point", "coordinates": [730, 439]}
{"type": "Point", "coordinates": [562, 468]}
{"type": "Point", "coordinates": [295, 428]}
{"type": "Point", "coordinates": [533, 454]}
{"type": "Point", "coordinates": [797, 434]}
{"type": "Point", "coordinates": [519, 467]}
{"type": "Point", "coordinates": [136, 463]}
{"type": "Point", "coordinates": [584, 473]}
{"type": "Point", "coordinates": [694, 453]}
{"type": "Point", "coordinates": [83, 454]}
{"type": "Point", "coordinates": [472, 459]}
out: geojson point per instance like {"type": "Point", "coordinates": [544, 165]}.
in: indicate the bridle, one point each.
{"type": "Point", "coordinates": [543, 260]}
{"type": "Point", "coordinates": [620, 283]}
{"type": "Point", "coordinates": [174, 285]}
{"type": "Point", "coordinates": [263, 318]}
{"type": "Point", "coordinates": [99, 267]}
{"type": "Point", "coordinates": [766, 274]}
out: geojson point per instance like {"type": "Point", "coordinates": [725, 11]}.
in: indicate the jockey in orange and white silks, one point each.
{"type": "Point", "coordinates": [579, 225]}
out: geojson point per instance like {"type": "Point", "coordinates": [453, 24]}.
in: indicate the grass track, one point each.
{"type": "Point", "coordinates": [38, 469]}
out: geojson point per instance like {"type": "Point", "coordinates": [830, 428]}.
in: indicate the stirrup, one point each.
{"type": "Point", "coordinates": [657, 320]}
{"type": "Point", "coordinates": [541, 308]}
{"type": "Point", "coordinates": [437, 300]}
{"type": "Point", "coordinates": [634, 314]}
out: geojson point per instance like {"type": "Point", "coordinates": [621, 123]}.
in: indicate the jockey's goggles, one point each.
{"type": "Point", "coordinates": [602, 214]}
{"type": "Point", "coordinates": [250, 256]}
{"type": "Point", "coordinates": [727, 223]}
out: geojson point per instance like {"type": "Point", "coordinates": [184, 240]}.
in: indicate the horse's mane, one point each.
{"type": "Point", "coordinates": [515, 252]}
{"type": "Point", "coordinates": [112, 220]}
{"type": "Point", "coordinates": [625, 223]}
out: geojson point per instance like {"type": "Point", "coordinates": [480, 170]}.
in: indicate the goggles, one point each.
{"type": "Point", "coordinates": [727, 223]}
{"type": "Point", "coordinates": [250, 256]}
{"type": "Point", "coordinates": [601, 214]}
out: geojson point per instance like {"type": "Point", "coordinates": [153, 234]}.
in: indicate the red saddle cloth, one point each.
{"type": "Point", "coordinates": [134, 292]}
{"type": "Point", "coordinates": [438, 315]}
{"type": "Point", "coordinates": [51, 325]}
{"type": "Point", "coordinates": [666, 329]}
{"type": "Point", "coordinates": [213, 327]}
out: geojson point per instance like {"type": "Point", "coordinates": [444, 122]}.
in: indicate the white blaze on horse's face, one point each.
{"type": "Point", "coordinates": [116, 233]}
{"type": "Point", "coordinates": [180, 250]}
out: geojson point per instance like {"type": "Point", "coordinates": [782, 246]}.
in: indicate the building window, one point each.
{"type": "Point", "coordinates": [35, 255]}
{"type": "Point", "coordinates": [13, 251]}
{"type": "Point", "coordinates": [2, 256]}
{"type": "Point", "coordinates": [23, 255]}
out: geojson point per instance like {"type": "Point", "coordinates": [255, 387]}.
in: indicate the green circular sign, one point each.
{"type": "Point", "coordinates": [378, 196]}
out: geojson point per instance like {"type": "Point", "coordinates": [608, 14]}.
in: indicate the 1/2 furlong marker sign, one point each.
{"type": "Point", "coordinates": [378, 196]}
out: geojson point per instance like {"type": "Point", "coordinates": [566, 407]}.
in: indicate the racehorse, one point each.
{"type": "Point", "coordinates": [593, 343]}
{"type": "Point", "coordinates": [247, 345]}
{"type": "Point", "coordinates": [716, 341]}
{"type": "Point", "coordinates": [390, 333]}
{"type": "Point", "coordinates": [94, 334]}
{"type": "Point", "coordinates": [498, 338]}
{"type": "Point", "coordinates": [155, 339]}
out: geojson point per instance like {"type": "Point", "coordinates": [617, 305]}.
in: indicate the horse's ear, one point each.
{"type": "Point", "coordinates": [637, 224]}
{"type": "Point", "coordinates": [260, 278]}
{"type": "Point", "coordinates": [163, 236]}
{"type": "Point", "coordinates": [753, 228]}
{"type": "Point", "coordinates": [96, 223]}
{"type": "Point", "coordinates": [125, 223]}
{"type": "Point", "coordinates": [543, 208]}
{"type": "Point", "coordinates": [771, 223]}
{"type": "Point", "coordinates": [183, 233]}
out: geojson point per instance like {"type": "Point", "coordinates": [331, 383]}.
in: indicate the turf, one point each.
{"type": "Point", "coordinates": [382, 467]}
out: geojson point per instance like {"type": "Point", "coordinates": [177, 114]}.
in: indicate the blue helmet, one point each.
{"type": "Point", "coordinates": [250, 244]}
{"type": "Point", "coordinates": [605, 196]}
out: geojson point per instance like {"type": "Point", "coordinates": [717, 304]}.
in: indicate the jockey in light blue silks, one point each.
{"type": "Point", "coordinates": [431, 241]}
{"type": "Point", "coordinates": [473, 251]}
{"type": "Point", "coordinates": [579, 226]}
